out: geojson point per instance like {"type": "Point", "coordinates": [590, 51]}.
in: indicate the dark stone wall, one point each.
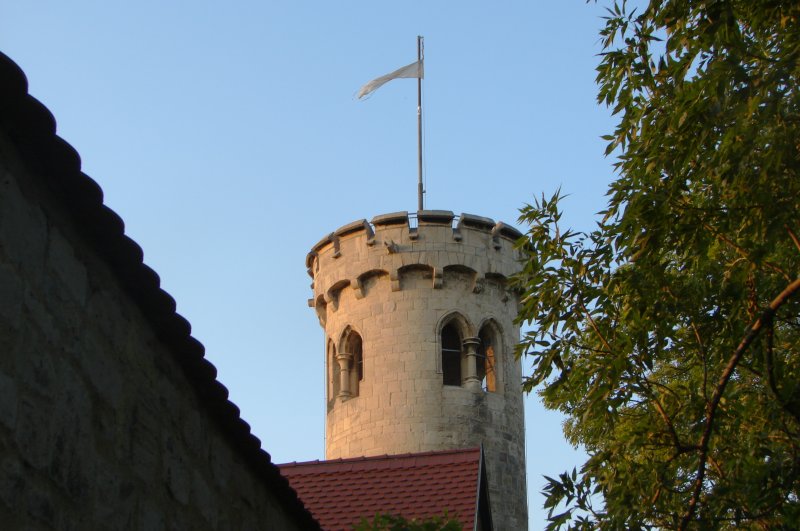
{"type": "Point", "coordinates": [100, 427]}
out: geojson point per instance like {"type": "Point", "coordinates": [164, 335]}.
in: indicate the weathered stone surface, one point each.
{"type": "Point", "coordinates": [11, 296]}
{"type": "Point", "coordinates": [8, 401]}
{"type": "Point", "coordinates": [23, 229]}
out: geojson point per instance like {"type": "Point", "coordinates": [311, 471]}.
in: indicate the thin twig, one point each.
{"type": "Point", "coordinates": [743, 252]}
{"type": "Point", "coordinates": [705, 360]}
{"type": "Point", "coordinates": [793, 237]}
{"type": "Point", "coordinates": [716, 466]}
{"type": "Point", "coordinates": [594, 325]}
{"type": "Point", "coordinates": [668, 421]}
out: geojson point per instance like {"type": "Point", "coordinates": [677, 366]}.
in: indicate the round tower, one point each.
{"type": "Point", "coordinates": [420, 335]}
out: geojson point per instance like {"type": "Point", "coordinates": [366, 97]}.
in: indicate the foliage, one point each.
{"type": "Point", "coordinates": [669, 335]}
{"type": "Point", "coordinates": [385, 522]}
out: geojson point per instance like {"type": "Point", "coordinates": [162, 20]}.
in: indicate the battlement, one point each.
{"type": "Point", "coordinates": [401, 232]}
{"type": "Point", "coordinates": [434, 243]}
{"type": "Point", "coordinates": [413, 225]}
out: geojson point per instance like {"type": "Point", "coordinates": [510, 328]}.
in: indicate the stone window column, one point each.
{"type": "Point", "coordinates": [471, 380]}
{"type": "Point", "coordinates": [344, 359]}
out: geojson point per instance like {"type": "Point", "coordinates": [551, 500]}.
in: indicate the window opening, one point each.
{"type": "Point", "coordinates": [487, 361]}
{"type": "Point", "coordinates": [353, 345]}
{"type": "Point", "coordinates": [333, 375]}
{"type": "Point", "coordinates": [451, 355]}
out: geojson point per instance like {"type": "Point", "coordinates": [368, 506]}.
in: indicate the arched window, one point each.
{"type": "Point", "coordinates": [487, 358]}
{"type": "Point", "coordinates": [451, 355]}
{"type": "Point", "coordinates": [353, 347]}
{"type": "Point", "coordinates": [349, 368]}
{"type": "Point", "coordinates": [333, 374]}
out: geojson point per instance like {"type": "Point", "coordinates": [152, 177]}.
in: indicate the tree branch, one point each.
{"type": "Point", "coordinates": [594, 325]}
{"type": "Point", "coordinates": [705, 360]}
{"type": "Point", "coordinates": [743, 253]}
{"type": "Point", "coordinates": [793, 237]}
{"type": "Point", "coordinates": [671, 427]}
{"type": "Point", "coordinates": [711, 407]}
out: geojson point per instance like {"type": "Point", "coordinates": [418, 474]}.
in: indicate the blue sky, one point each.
{"type": "Point", "coordinates": [228, 137]}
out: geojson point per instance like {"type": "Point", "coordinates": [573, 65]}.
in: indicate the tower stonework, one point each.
{"type": "Point", "coordinates": [420, 335]}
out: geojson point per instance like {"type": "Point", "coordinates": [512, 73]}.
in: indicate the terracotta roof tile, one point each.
{"type": "Point", "coordinates": [339, 492]}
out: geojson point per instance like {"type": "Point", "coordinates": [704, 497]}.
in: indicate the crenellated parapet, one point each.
{"type": "Point", "coordinates": [432, 241]}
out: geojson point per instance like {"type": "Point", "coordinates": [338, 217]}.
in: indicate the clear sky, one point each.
{"type": "Point", "coordinates": [228, 137]}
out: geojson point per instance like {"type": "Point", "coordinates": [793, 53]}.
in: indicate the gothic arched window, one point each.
{"type": "Point", "coordinates": [334, 379]}
{"type": "Point", "coordinates": [353, 346]}
{"type": "Point", "coordinates": [451, 354]}
{"type": "Point", "coordinates": [487, 358]}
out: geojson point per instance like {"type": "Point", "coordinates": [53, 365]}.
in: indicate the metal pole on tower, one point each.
{"type": "Point", "coordinates": [420, 190]}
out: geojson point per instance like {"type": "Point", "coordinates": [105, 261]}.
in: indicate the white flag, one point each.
{"type": "Point", "coordinates": [414, 70]}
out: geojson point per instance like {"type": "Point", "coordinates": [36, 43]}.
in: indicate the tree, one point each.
{"type": "Point", "coordinates": [385, 522]}
{"type": "Point", "coordinates": [669, 336]}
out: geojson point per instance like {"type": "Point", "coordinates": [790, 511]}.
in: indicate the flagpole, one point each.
{"type": "Point", "coordinates": [420, 190]}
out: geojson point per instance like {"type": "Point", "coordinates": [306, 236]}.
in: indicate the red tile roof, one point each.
{"type": "Point", "coordinates": [339, 492]}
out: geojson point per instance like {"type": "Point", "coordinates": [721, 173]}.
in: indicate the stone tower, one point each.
{"type": "Point", "coordinates": [420, 336]}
